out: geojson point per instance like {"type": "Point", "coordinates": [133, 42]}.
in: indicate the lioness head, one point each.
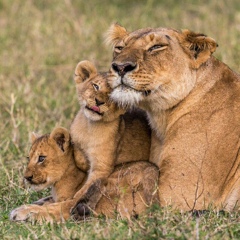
{"type": "Point", "coordinates": [156, 64]}
{"type": "Point", "coordinates": [93, 93]}
{"type": "Point", "coordinates": [47, 159]}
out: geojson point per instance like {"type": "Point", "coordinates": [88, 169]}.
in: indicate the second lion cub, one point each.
{"type": "Point", "coordinates": [105, 133]}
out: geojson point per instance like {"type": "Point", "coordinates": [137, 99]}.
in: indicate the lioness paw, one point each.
{"type": "Point", "coordinates": [80, 212]}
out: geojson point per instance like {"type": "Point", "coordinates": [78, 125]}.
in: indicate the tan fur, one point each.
{"type": "Point", "coordinates": [131, 187]}
{"type": "Point", "coordinates": [103, 132]}
{"type": "Point", "coordinates": [57, 169]}
{"type": "Point", "coordinates": [192, 101]}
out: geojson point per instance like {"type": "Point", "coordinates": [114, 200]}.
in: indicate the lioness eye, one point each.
{"type": "Point", "coordinates": [95, 86]}
{"type": "Point", "coordinates": [28, 158]}
{"type": "Point", "coordinates": [157, 47]}
{"type": "Point", "coordinates": [41, 158]}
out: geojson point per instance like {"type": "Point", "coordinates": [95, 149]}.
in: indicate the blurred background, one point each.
{"type": "Point", "coordinates": [41, 42]}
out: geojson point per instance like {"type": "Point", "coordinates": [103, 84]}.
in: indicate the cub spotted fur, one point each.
{"type": "Point", "coordinates": [193, 104]}
{"type": "Point", "coordinates": [130, 189]}
{"type": "Point", "coordinates": [104, 133]}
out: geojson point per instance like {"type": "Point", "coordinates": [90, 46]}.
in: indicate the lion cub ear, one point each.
{"type": "Point", "coordinates": [34, 136]}
{"type": "Point", "coordinates": [115, 33]}
{"type": "Point", "coordinates": [84, 70]}
{"type": "Point", "coordinates": [62, 137]}
{"type": "Point", "coordinates": [199, 46]}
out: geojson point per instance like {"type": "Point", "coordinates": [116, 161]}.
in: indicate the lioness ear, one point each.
{"type": "Point", "coordinates": [62, 137]}
{"type": "Point", "coordinates": [84, 70]}
{"type": "Point", "coordinates": [34, 136]}
{"type": "Point", "coordinates": [199, 46]}
{"type": "Point", "coordinates": [115, 33]}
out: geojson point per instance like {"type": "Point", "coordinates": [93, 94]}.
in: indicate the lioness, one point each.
{"type": "Point", "coordinates": [130, 189]}
{"type": "Point", "coordinates": [192, 101]}
{"type": "Point", "coordinates": [104, 133]}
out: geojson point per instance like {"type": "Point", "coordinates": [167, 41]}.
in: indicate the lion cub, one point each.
{"type": "Point", "coordinates": [51, 164]}
{"type": "Point", "coordinates": [129, 190]}
{"type": "Point", "coordinates": [105, 132]}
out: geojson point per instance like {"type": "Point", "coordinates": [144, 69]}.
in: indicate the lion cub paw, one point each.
{"type": "Point", "coordinates": [32, 213]}
{"type": "Point", "coordinates": [22, 213]}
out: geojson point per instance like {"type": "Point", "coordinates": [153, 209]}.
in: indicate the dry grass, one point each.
{"type": "Point", "coordinates": [41, 43]}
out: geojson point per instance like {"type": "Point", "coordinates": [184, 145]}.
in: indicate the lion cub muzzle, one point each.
{"type": "Point", "coordinates": [28, 178]}
{"type": "Point", "coordinates": [96, 107]}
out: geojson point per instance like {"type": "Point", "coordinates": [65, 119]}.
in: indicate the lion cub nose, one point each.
{"type": "Point", "coordinates": [122, 69]}
{"type": "Point", "coordinates": [98, 102]}
{"type": "Point", "coordinates": [29, 178]}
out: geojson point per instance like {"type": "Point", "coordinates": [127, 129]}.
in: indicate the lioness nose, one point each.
{"type": "Point", "coordinates": [122, 69]}
{"type": "Point", "coordinates": [29, 178]}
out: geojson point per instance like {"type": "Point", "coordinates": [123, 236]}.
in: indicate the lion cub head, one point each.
{"type": "Point", "coordinates": [47, 158]}
{"type": "Point", "coordinates": [93, 93]}
{"type": "Point", "coordinates": [156, 65]}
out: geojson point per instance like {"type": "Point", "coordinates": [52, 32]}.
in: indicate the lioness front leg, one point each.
{"type": "Point", "coordinates": [89, 200]}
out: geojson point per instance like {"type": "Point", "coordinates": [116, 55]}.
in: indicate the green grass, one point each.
{"type": "Point", "coordinates": [40, 45]}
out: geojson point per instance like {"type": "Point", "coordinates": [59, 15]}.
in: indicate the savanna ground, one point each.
{"type": "Point", "coordinates": [41, 42]}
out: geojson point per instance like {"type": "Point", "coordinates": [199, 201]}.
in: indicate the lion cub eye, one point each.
{"type": "Point", "coordinates": [157, 47]}
{"type": "Point", "coordinates": [41, 159]}
{"type": "Point", "coordinates": [118, 49]}
{"type": "Point", "coordinates": [95, 86]}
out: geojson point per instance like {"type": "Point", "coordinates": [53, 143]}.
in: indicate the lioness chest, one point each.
{"type": "Point", "coordinates": [200, 151]}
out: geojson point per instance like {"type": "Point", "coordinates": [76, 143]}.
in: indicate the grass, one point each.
{"type": "Point", "coordinates": [41, 43]}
